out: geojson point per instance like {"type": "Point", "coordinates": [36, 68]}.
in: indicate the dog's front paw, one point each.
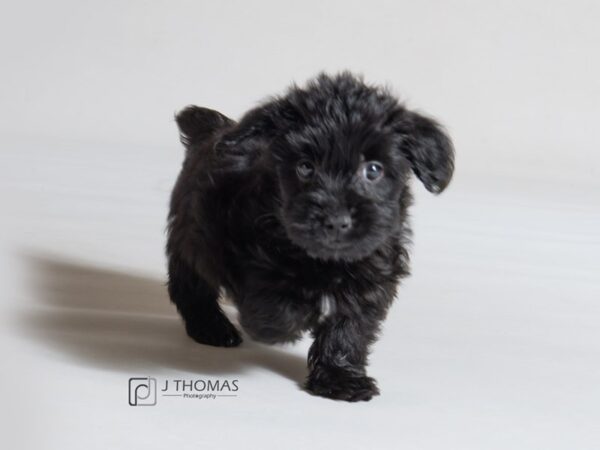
{"type": "Point", "coordinates": [219, 333]}
{"type": "Point", "coordinates": [341, 384]}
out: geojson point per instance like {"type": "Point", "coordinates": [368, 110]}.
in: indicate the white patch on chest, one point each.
{"type": "Point", "coordinates": [327, 307]}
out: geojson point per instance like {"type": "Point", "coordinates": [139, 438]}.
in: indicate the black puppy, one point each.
{"type": "Point", "coordinates": [299, 214]}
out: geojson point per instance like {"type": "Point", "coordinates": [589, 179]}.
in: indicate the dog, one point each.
{"type": "Point", "coordinates": [298, 213]}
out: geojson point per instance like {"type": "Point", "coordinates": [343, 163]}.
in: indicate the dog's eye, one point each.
{"type": "Point", "coordinates": [305, 170]}
{"type": "Point", "coordinates": [371, 171]}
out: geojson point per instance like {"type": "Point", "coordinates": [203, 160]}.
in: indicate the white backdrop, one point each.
{"type": "Point", "coordinates": [516, 82]}
{"type": "Point", "coordinates": [493, 343]}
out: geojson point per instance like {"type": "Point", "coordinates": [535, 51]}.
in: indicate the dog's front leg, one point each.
{"type": "Point", "coordinates": [338, 357]}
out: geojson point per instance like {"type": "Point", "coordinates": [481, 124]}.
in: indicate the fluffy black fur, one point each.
{"type": "Point", "coordinates": [299, 214]}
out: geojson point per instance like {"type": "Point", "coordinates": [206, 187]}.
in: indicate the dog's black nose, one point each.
{"type": "Point", "coordinates": [340, 224]}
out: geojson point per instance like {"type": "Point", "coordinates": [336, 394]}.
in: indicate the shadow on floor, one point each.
{"type": "Point", "coordinates": [119, 321]}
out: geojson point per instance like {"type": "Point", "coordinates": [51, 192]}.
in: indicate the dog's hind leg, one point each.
{"type": "Point", "coordinates": [197, 302]}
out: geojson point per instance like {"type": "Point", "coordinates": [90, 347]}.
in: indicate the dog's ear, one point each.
{"type": "Point", "coordinates": [197, 124]}
{"type": "Point", "coordinates": [427, 147]}
{"type": "Point", "coordinates": [246, 142]}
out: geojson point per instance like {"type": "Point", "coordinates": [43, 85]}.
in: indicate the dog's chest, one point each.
{"type": "Point", "coordinates": [327, 306]}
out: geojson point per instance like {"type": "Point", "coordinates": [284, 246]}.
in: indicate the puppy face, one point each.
{"type": "Point", "coordinates": [342, 152]}
{"type": "Point", "coordinates": [340, 188]}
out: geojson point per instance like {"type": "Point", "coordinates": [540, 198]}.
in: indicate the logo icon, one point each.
{"type": "Point", "coordinates": [142, 391]}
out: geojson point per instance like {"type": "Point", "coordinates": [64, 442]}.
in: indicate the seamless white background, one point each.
{"type": "Point", "coordinates": [493, 342]}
